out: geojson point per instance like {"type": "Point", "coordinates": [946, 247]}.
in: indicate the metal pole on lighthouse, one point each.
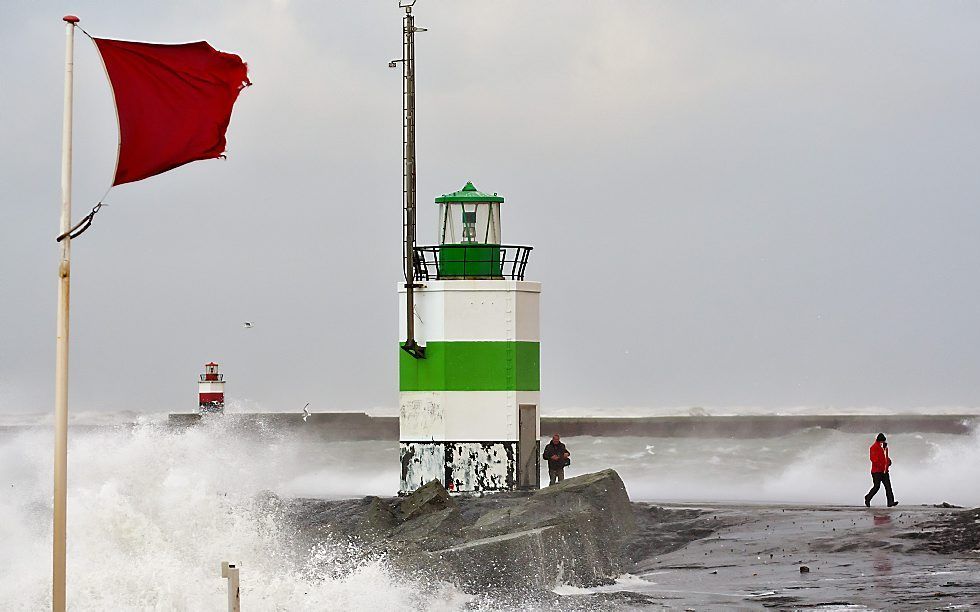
{"type": "Point", "coordinates": [409, 174]}
{"type": "Point", "coordinates": [59, 549]}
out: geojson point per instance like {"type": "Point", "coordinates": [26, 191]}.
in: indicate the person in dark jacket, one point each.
{"type": "Point", "coordinates": [558, 457]}
{"type": "Point", "coordinates": [879, 471]}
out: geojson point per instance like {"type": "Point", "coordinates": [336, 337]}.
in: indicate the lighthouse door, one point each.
{"type": "Point", "coordinates": [529, 468]}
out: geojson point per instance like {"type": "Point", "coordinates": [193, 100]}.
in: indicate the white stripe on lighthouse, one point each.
{"type": "Point", "coordinates": [474, 310]}
{"type": "Point", "coordinates": [462, 416]}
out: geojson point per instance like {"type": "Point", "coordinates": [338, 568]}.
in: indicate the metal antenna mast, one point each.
{"type": "Point", "coordinates": [408, 173]}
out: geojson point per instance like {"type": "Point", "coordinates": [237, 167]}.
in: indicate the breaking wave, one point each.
{"type": "Point", "coordinates": [153, 512]}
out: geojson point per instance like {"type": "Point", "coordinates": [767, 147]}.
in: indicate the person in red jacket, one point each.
{"type": "Point", "coordinates": [879, 471]}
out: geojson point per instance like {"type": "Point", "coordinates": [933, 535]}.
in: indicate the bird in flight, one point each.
{"type": "Point", "coordinates": [247, 325]}
{"type": "Point", "coordinates": [306, 412]}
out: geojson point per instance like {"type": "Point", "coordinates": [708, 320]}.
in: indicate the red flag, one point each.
{"type": "Point", "coordinates": [173, 102]}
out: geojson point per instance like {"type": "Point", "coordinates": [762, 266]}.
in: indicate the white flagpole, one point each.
{"type": "Point", "coordinates": [59, 563]}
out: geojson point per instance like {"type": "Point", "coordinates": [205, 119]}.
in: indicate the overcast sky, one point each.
{"type": "Point", "coordinates": [744, 203]}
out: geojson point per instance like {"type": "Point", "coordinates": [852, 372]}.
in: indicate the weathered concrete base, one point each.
{"type": "Point", "coordinates": [461, 467]}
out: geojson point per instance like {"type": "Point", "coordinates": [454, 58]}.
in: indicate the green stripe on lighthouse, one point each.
{"type": "Point", "coordinates": [472, 366]}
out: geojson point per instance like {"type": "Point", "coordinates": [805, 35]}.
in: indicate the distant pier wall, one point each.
{"type": "Point", "coordinates": [327, 425]}
{"type": "Point", "coordinates": [360, 426]}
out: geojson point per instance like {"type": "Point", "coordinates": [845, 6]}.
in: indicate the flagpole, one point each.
{"type": "Point", "coordinates": [59, 549]}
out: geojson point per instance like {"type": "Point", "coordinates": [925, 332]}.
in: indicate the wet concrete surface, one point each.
{"type": "Point", "coordinates": [858, 558]}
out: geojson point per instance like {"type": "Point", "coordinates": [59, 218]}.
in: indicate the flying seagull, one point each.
{"type": "Point", "coordinates": [248, 325]}
{"type": "Point", "coordinates": [306, 412]}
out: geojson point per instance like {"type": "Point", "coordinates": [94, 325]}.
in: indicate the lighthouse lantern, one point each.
{"type": "Point", "coordinates": [469, 234]}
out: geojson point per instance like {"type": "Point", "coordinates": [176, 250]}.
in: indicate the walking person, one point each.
{"type": "Point", "coordinates": [558, 457]}
{"type": "Point", "coordinates": [879, 471]}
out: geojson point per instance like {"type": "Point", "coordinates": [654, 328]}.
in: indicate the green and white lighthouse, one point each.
{"type": "Point", "coordinates": [469, 339]}
{"type": "Point", "coordinates": [469, 408]}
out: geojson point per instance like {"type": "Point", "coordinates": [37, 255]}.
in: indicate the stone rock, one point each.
{"type": "Point", "coordinates": [431, 531]}
{"type": "Point", "coordinates": [519, 544]}
{"type": "Point", "coordinates": [366, 519]}
{"type": "Point", "coordinates": [432, 497]}
{"type": "Point", "coordinates": [804, 569]}
{"type": "Point", "coordinates": [601, 495]}
{"type": "Point", "coordinates": [573, 533]}
{"type": "Point", "coordinates": [512, 561]}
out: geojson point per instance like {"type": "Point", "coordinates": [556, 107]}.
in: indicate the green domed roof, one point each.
{"type": "Point", "coordinates": [468, 193]}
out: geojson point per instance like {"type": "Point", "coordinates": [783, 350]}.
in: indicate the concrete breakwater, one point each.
{"type": "Point", "coordinates": [361, 426]}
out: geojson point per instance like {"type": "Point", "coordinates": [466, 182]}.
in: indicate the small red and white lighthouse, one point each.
{"type": "Point", "coordinates": [211, 390]}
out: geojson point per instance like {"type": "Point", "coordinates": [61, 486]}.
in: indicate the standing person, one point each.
{"type": "Point", "coordinates": [558, 457]}
{"type": "Point", "coordinates": [879, 471]}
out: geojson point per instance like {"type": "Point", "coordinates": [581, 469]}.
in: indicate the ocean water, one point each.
{"type": "Point", "coordinates": [813, 466]}
{"type": "Point", "coordinates": [153, 511]}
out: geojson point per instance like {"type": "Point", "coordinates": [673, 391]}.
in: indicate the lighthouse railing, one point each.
{"type": "Point", "coordinates": [454, 261]}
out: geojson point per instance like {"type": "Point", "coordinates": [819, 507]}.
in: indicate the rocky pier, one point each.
{"type": "Point", "coordinates": [519, 548]}
{"type": "Point", "coordinates": [578, 532]}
